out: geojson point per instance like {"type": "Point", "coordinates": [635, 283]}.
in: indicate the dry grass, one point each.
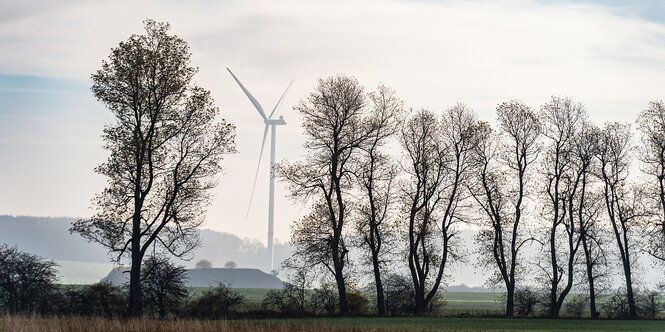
{"type": "Point", "coordinates": [20, 324]}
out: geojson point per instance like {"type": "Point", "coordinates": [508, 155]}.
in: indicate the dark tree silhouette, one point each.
{"type": "Point", "coordinates": [165, 151]}
{"type": "Point", "coordinates": [26, 281]}
{"type": "Point", "coordinates": [163, 287]}
{"type": "Point", "coordinates": [335, 130]}
{"type": "Point", "coordinates": [562, 119]}
{"type": "Point", "coordinates": [376, 175]}
{"type": "Point", "coordinates": [500, 192]}
{"type": "Point", "coordinates": [437, 164]}
{"type": "Point", "coordinates": [586, 206]}
{"type": "Point", "coordinates": [651, 123]}
{"type": "Point", "coordinates": [625, 205]}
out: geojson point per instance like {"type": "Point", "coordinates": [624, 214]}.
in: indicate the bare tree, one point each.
{"type": "Point", "coordinates": [625, 204]}
{"type": "Point", "coordinates": [26, 281]}
{"type": "Point", "coordinates": [375, 176]}
{"type": "Point", "coordinates": [651, 123]}
{"type": "Point", "coordinates": [165, 151]}
{"type": "Point", "coordinates": [163, 285]}
{"type": "Point", "coordinates": [561, 123]}
{"type": "Point", "coordinates": [437, 162]}
{"type": "Point", "coordinates": [500, 192]}
{"type": "Point", "coordinates": [335, 131]}
{"type": "Point", "coordinates": [586, 205]}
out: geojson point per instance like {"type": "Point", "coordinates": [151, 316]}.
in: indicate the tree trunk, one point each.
{"type": "Point", "coordinates": [341, 289]}
{"type": "Point", "coordinates": [135, 303]}
{"type": "Point", "coordinates": [589, 273]}
{"type": "Point", "coordinates": [510, 300]}
{"type": "Point", "coordinates": [420, 302]}
{"type": "Point", "coordinates": [380, 301]}
{"type": "Point", "coordinates": [629, 289]}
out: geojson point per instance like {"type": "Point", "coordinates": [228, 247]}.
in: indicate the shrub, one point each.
{"type": "Point", "coordinates": [163, 286]}
{"type": "Point", "coordinates": [617, 306]}
{"type": "Point", "coordinates": [96, 300]}
{"type": "Point", "coordinates": [649, 304]}
{"type": "Point", "coordinates": [576, 305]}
{"type": "Point", "coordinates": [357, 302]}
{"type": "Point", "coordinates": [526, 300]}
{"type": "Point", "coordinates": [399, 295]}
{"type": "Point", "coordinates": [215, 304]}
{"type": "Point", "coordinates": [324, 299]}
{"type": "Point", "coordinates": [290, 300]}
{"type": "Point", "coordinates": [26, 281]}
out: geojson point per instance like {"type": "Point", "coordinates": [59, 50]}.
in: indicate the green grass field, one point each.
{"type": "Point", "coordinates": [472, 324]}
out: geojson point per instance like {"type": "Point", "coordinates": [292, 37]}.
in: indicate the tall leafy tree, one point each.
{"type": "Point", "coordinates": [165, 147]}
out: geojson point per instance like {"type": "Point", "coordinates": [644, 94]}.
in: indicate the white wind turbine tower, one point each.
{"type": "Point", "coordinates": [269, 122]}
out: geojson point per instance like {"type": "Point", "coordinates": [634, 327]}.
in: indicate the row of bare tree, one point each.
{"type": "Point", "coordinates": [548, 177]}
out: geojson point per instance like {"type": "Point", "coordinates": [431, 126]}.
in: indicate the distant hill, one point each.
{"type": "Point", "coordinates": [206, 277]}
{"type": "Point", "coordinates": [84, 262]}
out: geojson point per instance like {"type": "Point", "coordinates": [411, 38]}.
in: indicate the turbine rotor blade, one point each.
{"type": "Point", "coordinates": [249, 95]}
{"type": "Point", "coordinates": [263, 143]}
{"type": "Point", "coordinates": [280, 99]}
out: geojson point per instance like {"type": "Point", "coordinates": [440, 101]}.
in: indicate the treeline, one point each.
{"type": "Point", "coordinates": [28, 285]}
{"type": "Point", "coordinates": [397, 185]}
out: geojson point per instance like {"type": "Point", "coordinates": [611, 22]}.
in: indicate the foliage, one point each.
{"type": "Point", "coordinates": [650, 304]}
{"type": "Point", "coordinates": [164, 287]}
{"type": "Point", "coordinates": [324, 299]}
{"type": "Point", "coordinates": [26, 281]}
{"type": "Point", "coordinates": [97, 300]}
{"type": "Point", "coordinates": [400, 296]}
{"type": "Point", "coordinates": [165, 146]}
{"type": "Point", "coordinates": [217, 303]}
{"type": "Point", "coordinates": [616, 306]}
{"type": "Point", "coordinates": [526, 300]}
{"type": "Point", "coordinates": [358, 302]}
{"type": "Point", "coordinates": [576, 305]}
{"type": "Point", "coordinates": [203, 264]}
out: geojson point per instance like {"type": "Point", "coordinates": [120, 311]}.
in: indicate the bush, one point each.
{"type": "Point", "coordinates": [649, 305]}
{"type": "Point", "coordinates": [98, 300]}
{"type": "Point", "coordinates": [163, 286]}
{"type": "Point", "coordinates": [617, 306]}
{"type": "Point", "coordinates": [290, 300]}
{"type": "Point", "coordinates": [324, 299]}
{"type": "Point", "coordinates": [357, 302]}
{"type": "Point", "coordinates": [216, 303]}
{"type": "Point", "coordinates": [576, 306]}
{"type": "Point", "coordinates": [26, 281]}
{"type": "Point", "coordinates": [399, 295]}
{"type": "Point", "coordinates": [526, 300]}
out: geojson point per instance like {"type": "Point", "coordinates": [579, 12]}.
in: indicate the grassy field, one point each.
{"type": "Point", "coordinates": [475, 324]}
{"type": "Point", "coordinates": [327, 325]}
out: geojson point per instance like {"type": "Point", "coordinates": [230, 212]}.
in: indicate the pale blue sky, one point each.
{"type": "Point", "coordinates": [608, 55]}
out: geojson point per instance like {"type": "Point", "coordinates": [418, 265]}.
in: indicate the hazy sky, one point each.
{"type": "Point", "coordinates": [608, 55]}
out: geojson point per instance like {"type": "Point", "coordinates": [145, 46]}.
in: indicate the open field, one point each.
{"type": "Point", "coordinates": [328, 324]}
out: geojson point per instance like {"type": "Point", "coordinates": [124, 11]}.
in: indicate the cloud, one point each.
{"type": "Point", "coordinates": [434, 53]}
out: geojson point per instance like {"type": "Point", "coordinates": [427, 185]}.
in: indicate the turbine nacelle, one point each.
{"type": "Point", "coordinates": [280, 121]}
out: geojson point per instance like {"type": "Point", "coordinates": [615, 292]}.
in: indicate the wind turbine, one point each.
{"type": "Point", "coordinates": [272, 123]}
